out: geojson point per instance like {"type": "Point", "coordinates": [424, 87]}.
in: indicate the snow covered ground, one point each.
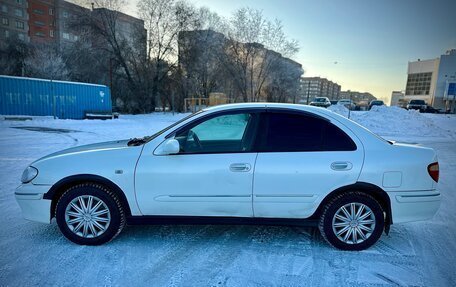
{"type": "Point", "coordinates": [414, 254]}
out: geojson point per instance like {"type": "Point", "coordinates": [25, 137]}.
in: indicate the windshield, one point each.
{"type": "Point", "coordinates": [417, 102]}
{"type": "Point", "coordinates": [149, 138]}
{"type": "Point", "coordinates": [320, 100]}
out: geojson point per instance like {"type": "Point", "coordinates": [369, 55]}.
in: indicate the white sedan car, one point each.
{"type": "Point", "coordinates": [241, 163]}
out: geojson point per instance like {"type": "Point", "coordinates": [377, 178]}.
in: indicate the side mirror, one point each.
{"type": "Point", "coordinates": [170, 146]}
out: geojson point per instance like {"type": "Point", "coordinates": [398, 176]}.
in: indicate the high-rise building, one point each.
{"type": "Point", "coordinates": [432, 81]}
{"type": "Point", "coordinates": [67, 14]}
{"type": "Point", "coordinates": [41, 20]}
{"type": "Point", "coordinates": [357, 97]}
{"type": "Point", "coordinates": [127, 27]}
{"type": "Point", "coordinates": [14, 20]}
{"type": "Point", "coordinates": [312, 87]}
{"type": "Point", "coordinates": [53, 21]}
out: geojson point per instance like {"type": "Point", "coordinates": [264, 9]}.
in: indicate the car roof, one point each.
{"type": "Point", "coordinates": [268, 105]}
{"type": "Point", "coordinates": [357, 129]}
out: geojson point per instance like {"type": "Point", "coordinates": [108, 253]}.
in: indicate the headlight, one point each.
{"type": "Point", "coordinates": [29, 174]}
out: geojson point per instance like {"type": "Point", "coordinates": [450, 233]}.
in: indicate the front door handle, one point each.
{"type": "Point", "coordinates": [341, 165]}
{"type": "Point", "coordinates": [240, 167]}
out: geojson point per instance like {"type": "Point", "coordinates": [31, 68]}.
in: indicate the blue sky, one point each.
{"type": "Point", "coordinates": [371, 41]}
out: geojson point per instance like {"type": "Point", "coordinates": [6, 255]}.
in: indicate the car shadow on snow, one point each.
{"type": "Point", "coordinates": [245, 234]}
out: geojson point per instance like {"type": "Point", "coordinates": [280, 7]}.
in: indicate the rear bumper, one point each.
{"type": "Point", "coordinates": [414, 205]}
{"type": "Point", "coordinates": [33, 206]}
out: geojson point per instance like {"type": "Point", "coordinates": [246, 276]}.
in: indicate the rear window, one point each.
{"type": "Point", "coordinates": [417, 102]}
{"type": "Point", "coordinates": [296, 132]}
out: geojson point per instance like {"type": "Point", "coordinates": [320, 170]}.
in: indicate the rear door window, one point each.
{"type": "Point", "coordinates": [294, 132]}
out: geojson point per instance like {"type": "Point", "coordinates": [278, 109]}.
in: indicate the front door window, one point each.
{"type": "Point", "coordinates": [220, 134]}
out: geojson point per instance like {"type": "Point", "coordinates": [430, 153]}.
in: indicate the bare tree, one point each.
{"type": "Point", "coordinates": [46, 62]}
{"type": "Point", "coordinates": [13, 53]}
{"type": "Point", "coordinates": [254, 42]}
{"type": "Point", "coordinates": [283, 82]}
{"type": "Point", "coordinates": [164, 19]}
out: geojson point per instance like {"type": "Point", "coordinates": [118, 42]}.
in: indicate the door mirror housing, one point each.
{"type": "Point", "coordinates": [168, 147]}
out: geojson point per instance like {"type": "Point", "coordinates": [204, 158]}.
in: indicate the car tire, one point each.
{"type": "Point", "coordinates": [90, 214]}
{"type": "Point", "coordinates": [352, 229]}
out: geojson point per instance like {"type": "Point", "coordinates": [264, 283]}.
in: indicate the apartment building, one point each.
{"type": "Point", "coordinates": [312, 87]}
{"type": "Point", "coordinates": [14, 20]}
{"type": "Point", "coordinates": [53, 21]}
{"type": "Point", "coordinates": [357, 97]}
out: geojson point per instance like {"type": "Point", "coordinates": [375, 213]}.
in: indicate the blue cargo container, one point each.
{"type": "Point", "coordinates": [64, 100]}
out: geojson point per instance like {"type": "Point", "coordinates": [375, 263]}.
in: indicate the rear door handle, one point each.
{"type": "Point", "coordinates": [341, 165]}
{"type": "Point", "coordinates": [240, 167]}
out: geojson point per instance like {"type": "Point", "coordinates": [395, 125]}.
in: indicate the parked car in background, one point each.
{"type": "Point", "coordinates": [262, 163]}
{"type": "Point", "coordinates": [417, 105]}
{"type": "Point", "coordinates": [347, 103]}
{"type": "Point", "coordinates": [376, 103]}
{"type": "Point", "coordinates": [321, 102]}
{"type": "Point", "coordinates": [432, 110]}
{"type": "Point", "coordinates": [333, 103]}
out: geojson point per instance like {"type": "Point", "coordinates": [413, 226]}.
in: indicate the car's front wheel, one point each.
{"type": "Point", "coordinates": [89, 214]}
{"type": "Point", "coordinates": [352, 221]}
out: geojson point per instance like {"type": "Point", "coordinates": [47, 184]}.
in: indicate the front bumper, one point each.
{"type": "Point", "coordinates": [414, 205]}
{"type": "Point", "coordinates": [33, 206]}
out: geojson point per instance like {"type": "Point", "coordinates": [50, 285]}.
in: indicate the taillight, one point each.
{"type": "Point", "coordinates": [433, 170]}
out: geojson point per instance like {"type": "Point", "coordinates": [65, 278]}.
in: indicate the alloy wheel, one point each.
{"type": "Point", "coordinates": [353, 223]}
{"type": "Point", "coordinates": [87, 216]}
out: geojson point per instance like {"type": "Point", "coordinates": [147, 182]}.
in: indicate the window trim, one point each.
{"type": "Point", "coordinates": [211, 115]}
{"type": "Point", "coordinates": [260, 123]}
{"type": "Point", "coordinates": [251, 129]}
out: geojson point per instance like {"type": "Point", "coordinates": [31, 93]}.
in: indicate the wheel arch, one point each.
{"type": "Point", "coordinates": [373, 190]}
{"type": "Point", "coordinates": [57, 190]}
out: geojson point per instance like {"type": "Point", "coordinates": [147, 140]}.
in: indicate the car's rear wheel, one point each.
{"type": "Point", "coordinates": [352, 221]}
{"type": "Point", "coordinates": [90, 214]}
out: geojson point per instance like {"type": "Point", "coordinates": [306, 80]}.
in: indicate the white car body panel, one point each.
{"type": "Point", "coordinates": [194, 184]}
{"type": "Point", "coordinates": [292, 185]}
{"type": "Point", "coordinates": [285, 185]}
{"type": "Point", "coordinates": [102, 159]}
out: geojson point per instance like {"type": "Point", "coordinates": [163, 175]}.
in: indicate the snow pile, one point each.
{"type": "Point", "coordinates": [339, 109]}
{"type": "Point", "coordinates": [387, 121]}
{"type": "Point", "coordinates": [92, 131]}
{"type": "Point", "coordinates": [415, 254]}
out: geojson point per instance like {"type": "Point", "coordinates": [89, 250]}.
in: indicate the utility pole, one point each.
{"type": "Point", "coordinates": [308, 91]}
{"type": "Point", "coordinates": [54, 100]}
{"type": "Point", "coordinates": [110, 71]}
